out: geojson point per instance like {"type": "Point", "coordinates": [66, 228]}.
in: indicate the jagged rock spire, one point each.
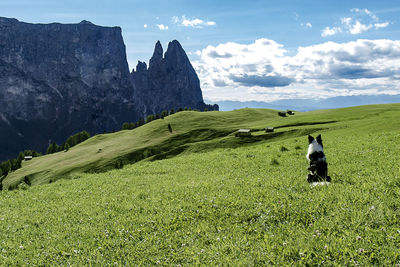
{"type": "Point", "coordinates": [141, 66]}
{"type": "Point", "coordinates": [157, 55]}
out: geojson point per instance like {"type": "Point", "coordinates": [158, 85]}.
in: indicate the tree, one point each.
{"type": "Point", "coordinates": [125, 126]}
{"type": "Point", "coordinates": [21, 156]}
{"type": "Point", "coordinates": [66, 147]}
{"type": "Point", "coordinates": [6, 167]}
{"type": "Point", "coordinates": [52, 148]}
{"type": "Point", "coordinates": [169, 128]}
{"type": "Point", "coordinates": [180, 109]}
{"type": "Point", "coordinates": [164, 114]}
{"type": "Point", "coordinates": [140, 122]}
{"type": "Point", "coordinates": [172, 111]}
{"type": "Point", "coordinates": [149, 118]}
{"type": "Point", "coordinates": [132, 125]}
{"type": "Point", "coordinates": [35, 153]}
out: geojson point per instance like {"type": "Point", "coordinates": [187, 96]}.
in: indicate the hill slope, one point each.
{"type": "Point", "coordinates": [234, 204]}
{"type": "Point", "coordinates": [193, 132]}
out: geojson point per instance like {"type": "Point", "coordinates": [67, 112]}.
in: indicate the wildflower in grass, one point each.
{"type": "Point", "coordinates": [361, 250]}
{"type": "Point", "coordinates": [358, 238]}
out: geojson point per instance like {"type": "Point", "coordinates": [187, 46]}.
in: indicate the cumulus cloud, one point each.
{"type": "Point", "coordinates": [145, 26]}
{"type": "Point", "coordinates": [194, 23]}
{"type": "Point", "coordinates": [327, 31]}
{"type": "Point", "coordinates": [264, 70]}
{"type": "Point", "coordinates": [162, 27]}
{"type": "Point", "coordinates": [364, 20]}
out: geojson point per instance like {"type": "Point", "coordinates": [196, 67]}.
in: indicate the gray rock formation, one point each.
{"type": "Point", "coordinates": [169, 82]}
{"type": "Point", "coordinates": [59, 79]}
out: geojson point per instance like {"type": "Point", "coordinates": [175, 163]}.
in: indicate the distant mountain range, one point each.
{"type": "Point", "coordinates": [60, 79]}
{"type": "Point", "coordinates": [312, 104]}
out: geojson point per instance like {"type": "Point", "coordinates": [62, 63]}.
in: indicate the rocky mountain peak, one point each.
{"type": "Point", "coordinates": [157, 55]}
{"type": "Point", "coordinates": [169, 82]}
{"type": "Point", "coordinates": [176, 56]}
{"type": "Point", "coordinates": [141, 66]}
{"type": "Point", "coordinates": [86, 22]}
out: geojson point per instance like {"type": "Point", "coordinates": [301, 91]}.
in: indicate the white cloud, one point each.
{"type": "Point", "coordinates": [162, 27]}
{"type": "Point", "coordinates": [145, 26]}
{"type": "Point", "coordinates": [356, 25]}
{"type": "Point", "coordinates": [264, 71]}
{"type": "Point", "coordinates": [381, 25]}
{"type": "Point", "coordinates": [330, 31]}
{"type": "Point", "coordinates": [194, 23]}
{"type": "Point", "coordinates": [309, 25]}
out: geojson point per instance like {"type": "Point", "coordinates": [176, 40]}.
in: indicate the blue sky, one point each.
{"type": "Point", "coordinates": [253, 50]}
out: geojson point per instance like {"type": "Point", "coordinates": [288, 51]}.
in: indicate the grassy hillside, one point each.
{"type": "Point", "coordinates": [151, 141]}
{"type": "Point", "coordinates": [214, 199]}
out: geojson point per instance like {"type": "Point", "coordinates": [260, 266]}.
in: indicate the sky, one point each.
{"type": "Point", "coordinates": [259, 50]}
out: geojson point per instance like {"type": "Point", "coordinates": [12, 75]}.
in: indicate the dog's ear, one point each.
{"type": "Point", "coordinates": [310, 139]}
{"type": "Point", "coordinates": [319, 140]}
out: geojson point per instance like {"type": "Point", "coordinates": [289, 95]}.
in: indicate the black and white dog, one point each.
{"type": "Point", "coordinates": [318, 165]}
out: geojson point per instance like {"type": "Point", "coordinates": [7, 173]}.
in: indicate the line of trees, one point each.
{"type": "Point", "coordinates": [152, 117]}
{"type": "Point", "coordinates": [14, 164]}
{"type": "Point", "coordinates": [73, 140]}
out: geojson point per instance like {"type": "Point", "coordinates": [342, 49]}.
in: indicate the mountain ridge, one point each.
{"type": "Point", "coordinates": [59, 79]}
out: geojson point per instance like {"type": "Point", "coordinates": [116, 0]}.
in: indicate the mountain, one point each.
{"type": "Point", "coordinates": [169, 82]}
{"type": "Point", "coordinates": [59, 79]}
{"type": "Point", "coordinates": [312, 104]}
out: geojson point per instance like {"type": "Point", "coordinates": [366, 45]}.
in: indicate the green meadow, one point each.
{"type": "Point", "coordinates": [201, 196]}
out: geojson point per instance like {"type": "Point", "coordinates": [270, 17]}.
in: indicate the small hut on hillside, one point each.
{"type": "Point", "coordinates": [28, 157]}
{"type": "Point", "coordinates": [243, 133]}
{"type": "Point", "coordinates": [269, 129]}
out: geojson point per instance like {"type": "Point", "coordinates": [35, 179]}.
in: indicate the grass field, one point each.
{"type": "Point", "coordinates": [213, 199]}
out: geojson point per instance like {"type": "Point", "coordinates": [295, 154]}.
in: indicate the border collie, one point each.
{"type": "Point", "coordinates": [316, 157]}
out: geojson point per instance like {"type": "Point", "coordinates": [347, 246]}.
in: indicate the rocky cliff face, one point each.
{"type": "Point", "coordinates": [169, 82]}
{"type": "Point", "coordinates": [59, 79]}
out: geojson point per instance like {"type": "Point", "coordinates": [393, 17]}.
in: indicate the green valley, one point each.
{"type": "Point", "coordinates": [201, 196]}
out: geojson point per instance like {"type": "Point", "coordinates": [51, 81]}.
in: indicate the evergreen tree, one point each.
{"type": "Point", "coordinates": [35, 153]}
{"type": "Point", "coordinates": [84, 136]}
{"type": "Point", "coordinates": [131, 125]}
{"type": "Point", "coordinates": [21, 156]}
{"type": "Point", "coordinates": [180, 109]}
{"type": "Point", "coordinates": [172, 111]}
{"type": "Point", "coordinates": [6, 167]}
{"type": "Point", "coordinates": [52, 148]}
{"type": "Point", "coordinates": [149, 118]}
{"type": "Point", "coordinates": [66, 147]}
{"type": "Point", "coordinates": [125, 126]}
{"type": "Point", "coordinates": [164, 114]}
